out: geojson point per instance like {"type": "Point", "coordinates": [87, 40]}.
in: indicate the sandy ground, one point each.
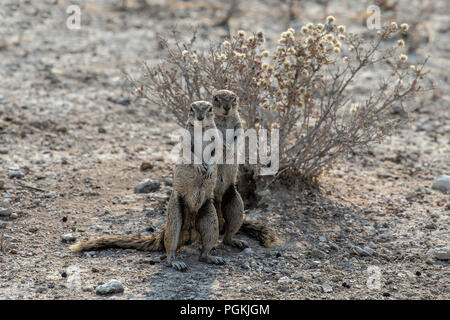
{"type": "Point", "coordinates": [70, 125]}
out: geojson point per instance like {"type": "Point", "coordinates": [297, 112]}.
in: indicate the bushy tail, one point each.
{"type": "Point", "coordinates": [257, 230]}
{"type": "Point", "coordinates": [144, 243]}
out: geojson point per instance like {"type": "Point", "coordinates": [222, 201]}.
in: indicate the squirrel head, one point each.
{"type": "Point", "coordinates": [225, 102]}
{"type": "Point", "coordinates": [201, 112]}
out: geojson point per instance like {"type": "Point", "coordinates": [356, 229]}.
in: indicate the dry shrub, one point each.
{"type": "Point", "coordinates": [303, 87]}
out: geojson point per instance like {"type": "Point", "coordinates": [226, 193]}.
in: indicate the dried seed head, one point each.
{"type": "Point", "coordinates": [185, 53]}
{"type": "Point", "coordinates": [265, 54]}
{"type": "Point", "coordinates": [341, 28]}
{"type": "Point", "coordinates": [394, 25]}
{"type": "Point", "coordinates": [337, 50]}
{"type": "Point", "coordinates": [403, 58]}
{"type": "Point", "coordinates": [241, 33]}
{"type": "Point", "coordinates": [320, 26]}
{"type": "Point", "coordinates": [331, 19]}
{"type": "Point", "coordinates": [401, 43]}
{"type": "Point", "coordinates": [404, 27]}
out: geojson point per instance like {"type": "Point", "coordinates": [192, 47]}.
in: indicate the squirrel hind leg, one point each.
{"type": "Point", "coordinates": [208, 227]}
{"type": "Point", "coordinates": [218, 206]}
{"type": "Point", "coordinates": [233, 213]}
{"type": "Point", "coordinates": [172, 231]}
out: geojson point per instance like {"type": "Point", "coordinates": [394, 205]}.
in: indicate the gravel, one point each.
{"type": "Point", "coordinates": [55, 100]}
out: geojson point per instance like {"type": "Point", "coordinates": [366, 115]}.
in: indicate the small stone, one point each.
{"type": "Point", "coordinates": [14, 215]}
{"type": "Point", "coordinates": [334, 246]}
{"type": "Point", "coordinates": [146, 166]}
{"type": "Point", "coordinates": [69, 237]}
{"type": "Point", "coordinates": [5, 212]}
{"type": "Point", "coordinates": [87, 180]}
{"type": "Point", "coordinates": [439, 253]}
{"type": "Point", "coordinates": [111, 287]}
{"type": "Point", "coordinates": [248, 251]}
{"type": "Point", "coordinates": [363, 252]}
{"type": "Point", "coordinates": [87, 288]}
{"type": "Point", "coordinates": [4, 151]}
{"type": "Point", "coordinates": [147, 186]}
{"type": "Point", "coordinates": [61, 129]}
{"type": "Point", "coordinates": [2, 184]}
{"type": "Point", "coordinates": [327, 288]}
{"type": "Point", "coordinates": [369, 251]}
{"type": "Point", "coordinates": [15, 174]}
{"type": "Point", "coordinates": [41, 290]}
{"type": "Point", "coordinates": [284, 280]}
{"type": "Point", "coordinates": [442, 183]}
{"type": "Point", "coordinates": [168, 181]}
{"type": "Point", "coordinates": [316, 253]}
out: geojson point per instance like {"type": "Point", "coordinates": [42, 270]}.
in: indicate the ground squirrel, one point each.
{"type": "Point", "coordinates": [227, 200]}
{"type": "Point", "coordinates": [191, 214]}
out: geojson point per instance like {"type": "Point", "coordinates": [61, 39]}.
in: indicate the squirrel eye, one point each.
{"type": "Point", "coordinates": [192, 109]}
{"type": "Point", "coordinates": [216, 99]}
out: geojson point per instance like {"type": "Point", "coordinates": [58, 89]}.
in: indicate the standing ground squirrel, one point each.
{"type": "Point", "coordinates": [227, 200]}
{"type": "Point", "coordinates": [191, 215]}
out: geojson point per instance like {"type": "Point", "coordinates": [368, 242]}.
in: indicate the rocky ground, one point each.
{"type": "Point", "coordinates": [73, 141]}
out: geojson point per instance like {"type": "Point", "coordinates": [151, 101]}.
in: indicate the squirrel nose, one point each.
{"type": "Point", "coordinates": [227, 107]}
{"type": "Point", "coordinates": [200, 118]}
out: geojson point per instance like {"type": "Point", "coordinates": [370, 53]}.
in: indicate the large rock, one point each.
{"type": "Point", "coordinates": [111, 287]}
{"type": "Point", "coordinates": [442, 183]}
{"type": "Point", "coordinates": [147, 186]}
